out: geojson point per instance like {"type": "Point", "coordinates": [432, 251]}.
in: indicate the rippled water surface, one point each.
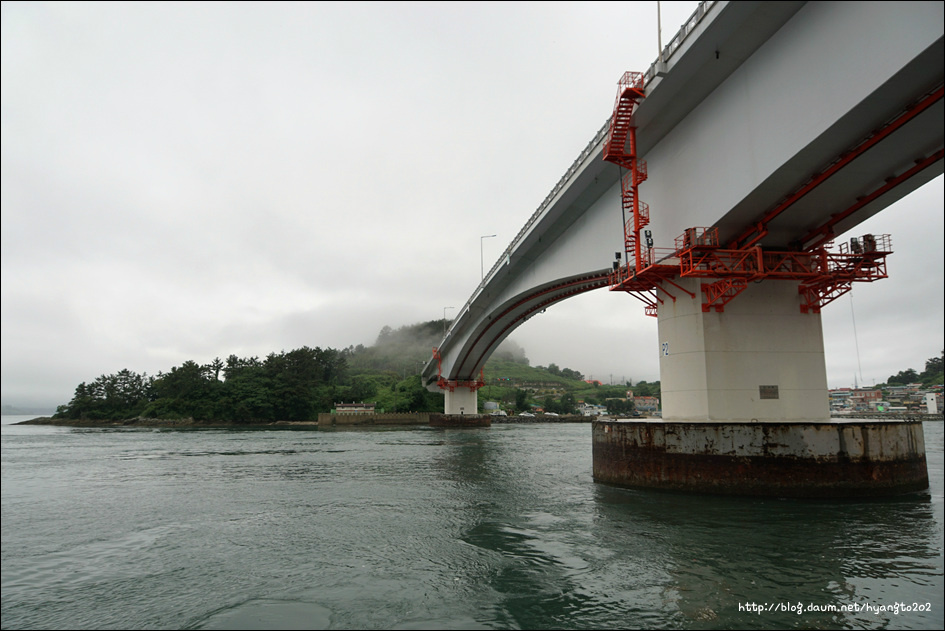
{"type": "Point", "coordinates": [427, 528]}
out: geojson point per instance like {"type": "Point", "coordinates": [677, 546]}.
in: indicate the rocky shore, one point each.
{"type": "Point", "coordinates": [158, 422]}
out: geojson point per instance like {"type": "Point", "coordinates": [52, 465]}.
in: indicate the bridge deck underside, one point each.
{"type": "Point", "coordinates": [495, 328]}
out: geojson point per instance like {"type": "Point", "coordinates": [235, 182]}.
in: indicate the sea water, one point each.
{"type": "Point", "coordinates": [421, 528]}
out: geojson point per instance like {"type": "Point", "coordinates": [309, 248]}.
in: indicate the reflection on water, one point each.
{"type": "Point", "coordinates": [430, 528]}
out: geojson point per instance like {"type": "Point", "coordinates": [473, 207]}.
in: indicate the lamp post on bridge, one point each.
{"type": "Point", "coordinates": [482, 268]}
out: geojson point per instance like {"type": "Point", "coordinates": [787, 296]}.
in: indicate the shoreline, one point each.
{"type": "Point", "coordinates": [157, 422]}
{"type": "Point", "coordinates": [187, 423]}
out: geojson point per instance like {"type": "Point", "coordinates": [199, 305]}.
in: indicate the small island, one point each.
{"type": "Point", "coordinates": [303, 387]}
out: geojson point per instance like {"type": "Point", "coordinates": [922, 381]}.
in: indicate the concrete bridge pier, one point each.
{"type": "Point", "coordinates": [760, 359]}
{"type": "Point", "coordinates": [461, 408]}
{"type": "Point", "coordinates": [461, 401]}
{"type": "Point", "coordinates": [746, 411]}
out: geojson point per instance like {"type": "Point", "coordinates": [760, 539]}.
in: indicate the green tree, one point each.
{"type": "Point", "coordinates": [904, 377]}
{"type": "Point", "coordinates": [568, 404]}
{"type": "Point", "coordinates": [246, 396]}
{"type": "Point", "coordinates": [567, 373]}
{"type": "Point", "coordinates": [188, 390]}
{"type": "Point", "coordinates": [121, 395]}
{"type": "Point", "coordinates": [216, 366]}
{"type": "Point", "coordinates": [620, 406]}
{"type": "Point", "coordinates": [933, 372]}
{"type": "Point", "coordinates": [521, 400]}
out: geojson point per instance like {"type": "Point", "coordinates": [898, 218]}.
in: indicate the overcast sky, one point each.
{"type": "Point", "coordinates": [187, 181]}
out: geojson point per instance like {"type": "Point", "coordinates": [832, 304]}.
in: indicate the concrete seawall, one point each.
{"type": "Point", "coordinates": [327, 419]}
{"type": "Point", "coordinates": [460, 420]}
{"type": "Point", "coordinates": [829, 459]}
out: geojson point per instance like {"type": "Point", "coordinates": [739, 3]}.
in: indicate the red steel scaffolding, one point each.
{"type": "Point", "coordinates": [452, 384]}
{"type": "Point", "coordinates": [649, 274]}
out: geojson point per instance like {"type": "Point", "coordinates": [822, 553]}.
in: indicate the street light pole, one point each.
{"type": "Point", "coordinates": [659, 33]}
{"type": "Point", "coordinates": [482, 268]}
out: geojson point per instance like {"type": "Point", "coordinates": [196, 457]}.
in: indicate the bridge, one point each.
{"type": "Point", "coordinates": [714, 194]}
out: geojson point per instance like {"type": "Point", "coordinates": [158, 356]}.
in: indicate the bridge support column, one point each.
{"type": "Point", "coordinates": [461, 401]}
{"type": "Point", "coordinates": [760, 359]}
{"type": "Point", "coordinates": [745, 410]}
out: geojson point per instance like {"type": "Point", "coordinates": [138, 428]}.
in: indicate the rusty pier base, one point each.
{"type": "Point", "coordinates": [460, 420]}
{"type": "Point", "coordinates": [779, 459]}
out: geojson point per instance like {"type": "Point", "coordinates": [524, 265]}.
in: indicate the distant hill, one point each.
{"type": "Point", "coordinates": [405, 350]}
{"type": "Point", "coordinates": [400, 351]}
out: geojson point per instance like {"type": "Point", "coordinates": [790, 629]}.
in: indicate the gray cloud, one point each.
{"type": "Point", "coordinates": [185, 181]}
